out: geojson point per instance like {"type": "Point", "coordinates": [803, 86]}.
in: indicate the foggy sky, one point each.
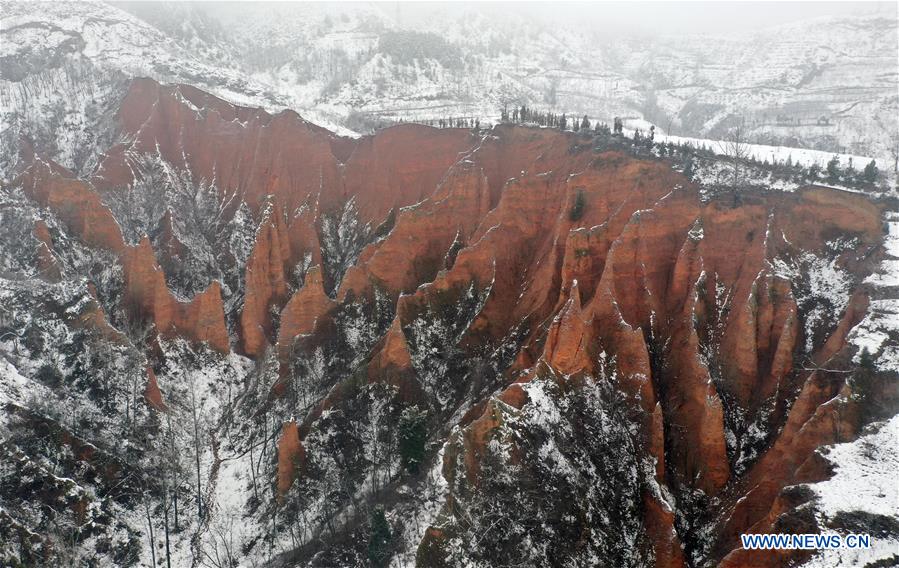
{"type": "Point", "coordinates": [667, 17]}
{"type": "Point", "coordinates": [613, 17]}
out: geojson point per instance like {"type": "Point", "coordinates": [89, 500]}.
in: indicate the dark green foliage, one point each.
{"type": "Point", "coordinates": [49, 375]}
{"type": "Point", "coordinates": [884, 562]}
{"type": "Point", "coordinates": [413, 435]}
{"type": "Point", "coordinates": [833, 168]}
{"type": "Point", "coordinates": [406, 47]}
{"type": "Point", "coordinates": [867, 384]}
{"type": "Point", "coordinates": [378, 538]}
{"type": "Point", "coordinates": [863, 522]}
{"type": "Point", "coordinates": [870, 173]}
{"type": "Point", "coordinates": [601, 129]}
{"type": "Point", "coordinates": [33, 340]}
{"type": "Point", "coordinates": [577, 208]}
{"type": "Point", "coordinates": [814, 171]}
{"type": "Point", "coordinates": [451, 254]}
{"type": "Point", "coordinates": [866, 360]}
{"type": "Point", "coordinates": [384, 228]}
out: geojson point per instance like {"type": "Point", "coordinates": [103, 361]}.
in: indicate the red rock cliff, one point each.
{"type": "Point", "coordinates": [593, 264]}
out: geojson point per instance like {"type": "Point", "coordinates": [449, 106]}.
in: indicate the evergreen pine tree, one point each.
{"type": "Point", "coordinates": [870, 173]}
{"type": "Point", "coordinates": [866, 388]}
{"type": "Point", "coordinates": [833, 168]}
{"type": "Point", "coordinates": [866, 360]}
{"type": "Point", "coordinates": [814, 171]}
{"type": "Point", "coordinates": [413, 436]}
{"type": "Point", "coordinates": [378, 539]}
{"type": "Point", "coordinates": [577, 208]}
{"type": "Point", "coordinates": [688, 168]}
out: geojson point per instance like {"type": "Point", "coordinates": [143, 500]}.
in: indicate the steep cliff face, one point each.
{"type": "Point", "coordinates": [600, 361]}
{"type": "Point", "coordinates": [80, 208]}
{"type": "Point", "coordinates": [147, 296]}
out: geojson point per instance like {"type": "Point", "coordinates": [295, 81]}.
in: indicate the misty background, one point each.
{"type": "Point", "coordinates": [613, 18]}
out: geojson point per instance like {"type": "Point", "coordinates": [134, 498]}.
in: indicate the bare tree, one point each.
{"type": "Point", "coordinates": [64, 536]}
{"type": "Point", "coordinates": [145, 494]}
{"type": "Point", "coordinates": [174, 467]}
{"type": "Point", "coordinates": [197, 435]}
{"type": "Point", "coordinates": [8, 328]}
{"type": "Point", "coordinates": [165, 513]}
{"type": "Point", "coordinates": [736, 148]}
{"type": "Point", "coordinates": [220, 550]}
{"type": "Point", "coordinates": [138, 331]}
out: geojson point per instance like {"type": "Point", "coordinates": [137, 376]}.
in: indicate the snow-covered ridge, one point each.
{"type": "Point", "coordinates": [115, 40]}
{"type": "Point", "coordinates": [878, 331]}
{"type": "Point", "coordinates": [774, 154]}
{"type": "Point", "coordinates": [828, 83]}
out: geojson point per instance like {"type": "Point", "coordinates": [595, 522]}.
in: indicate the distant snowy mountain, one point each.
{"type": "Point", "coordinates": [828, 84]}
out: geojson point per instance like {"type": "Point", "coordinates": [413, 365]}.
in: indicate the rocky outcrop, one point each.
{"type": "Point", "coordinates": [147, 297]}
{"type": "Point", "coordinates": [569, 338]}
{"type": "Point", "coordinates": [202, 318]}
{"type": "Point", "coordinates": [667, 549]}
{"type": "Point", "coordinates": [47, 263]}
{"type": "Point", "coordinates": [424, 234]}
{"type": "Point", "coordinates": [400, 166]}
{"type": "Point", "coordinates": [152, 394]}
{"type": "Point", "coordinates": [281, 247]}
{"type": "Point", "coordinates": [291, 457]}
{"type": "Point", "coordinates": [75, 203]}
{"type": "Point", "coordinates": [246, 149]}
{"type": "Point", "coordinates": [146, 294]}
{"type": "Point", "coordinates": [304, 309]}
{"type": "Point", "coordinates": [266, 282]}
{"type": "Point", "coordinates": [394, 351]}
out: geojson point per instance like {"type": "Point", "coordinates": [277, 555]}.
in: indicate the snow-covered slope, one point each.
{"type": "Point", "coordinates": [879, 331]}
{"type": "Point", "coordinates": [863, 486]}
{"type": "Point", "coordinates": [64, 67]}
